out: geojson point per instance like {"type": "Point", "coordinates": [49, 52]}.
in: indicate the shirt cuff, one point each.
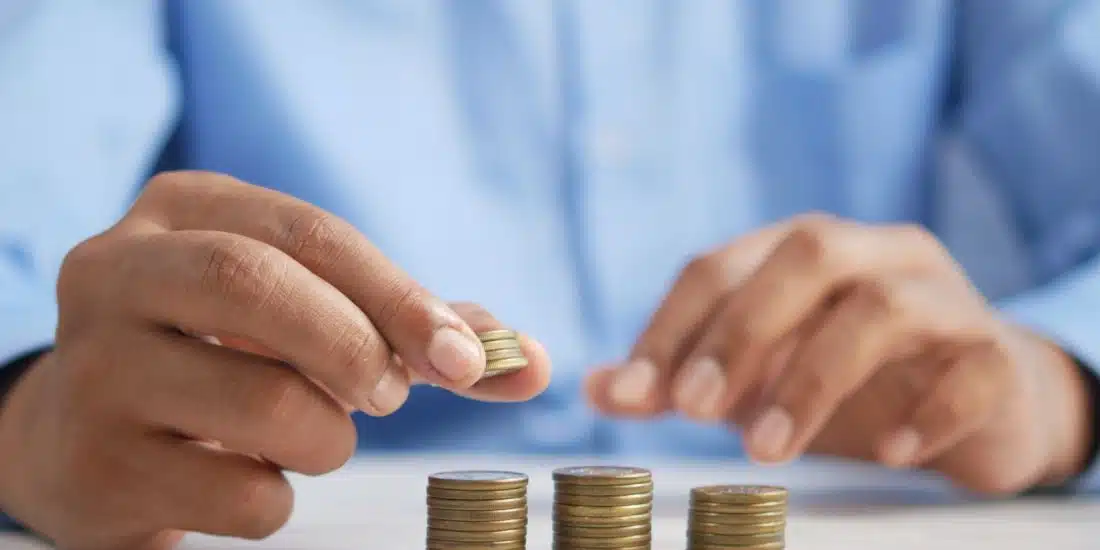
{"type": "Point", "coordinates": [1065, 311]}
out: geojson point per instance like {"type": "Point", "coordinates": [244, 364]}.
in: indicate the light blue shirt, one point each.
{"type": "Point", "coordinates": [559, 161]}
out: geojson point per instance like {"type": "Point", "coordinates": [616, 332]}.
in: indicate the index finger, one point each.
{"type": "Point", "coordinates": [428, 335]}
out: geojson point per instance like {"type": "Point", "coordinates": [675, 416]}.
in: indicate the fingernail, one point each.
{"type": "Point", "coordinates": [388, 394]}
{"type": "Point", "coordinates": [633, 383]}
{"type": "Point", "coordinates": [455, 355]}
{"type": "Point", "coordinates": [901, 448]}
{"type": "Point", "coordinates": [701, 389]}
{"type": "Point", "coordinates": [771, 433]}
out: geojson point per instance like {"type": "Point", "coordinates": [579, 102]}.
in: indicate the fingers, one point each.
{"type": "Point", "coordinates": [960, 403]}
{"type": "Point", "coordinates": [196, 487]}
{"type": "Point", "coordinates": [891, 317]}
{"type": "Point", "coordinates": [639, 388]}
{"type": "Point", "coordinates": [520, 385]}
{"type": "Point", "coordinates": [248, 404]}
{"type": "Point", "coordinates": [220, 283]}
{"type": "Point", "coordinates": [815, 260]}
{"type": "Point", "coordinates": [430, 338]}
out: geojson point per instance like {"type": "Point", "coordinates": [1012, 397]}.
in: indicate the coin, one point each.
{"type": "Point", "coordinates": [739, 494]}
{"type": "Point", "coordinates": [477, 515]}
{"type": "Point", "coordinates": [747, 518]}
{"type": "Point", "coordinates": [460, 525]}
{"type": "Point", "coordinates": [499, 345]}
{"type": "Point", "coordinates": [477, 480]}
{"type": "Point", "coordinates": [467, 494]}
{"type": "Point", "coordinates": [614, 500]}
{"type": "Point", "coordinates": [601, 521]}
{"type": "Point", "coordinates": [497, 334]}
{"type": "Point", "coordinates": [504, 535]}
{"type": "Point", "coordinates": [454, 545]}
{"type": "Point", "coordinates": [693, 545]}
{"type": "Point", "coordinates": [752, 529]}
{"type": "Point", "coordinates": [511, 363]}
{"type": "Point", "coordinates": [497, 355]}
{"type": "Point", "coordinates": [727, 508]}
{"type": "Point", "coordinates": [568, 511]}
{"type": "Point", "coordinates": [499, 504]}
{"type": "Point", "coordinates": [736, 540]}
{"type": "Point", "coordinates": [601, 475]}
{"type": "Point", "coordinates": [603, 490]}
{"type": "Point", "coordinates": [616, 542]}
{"type": "Point", "coordinates": [581, 531]}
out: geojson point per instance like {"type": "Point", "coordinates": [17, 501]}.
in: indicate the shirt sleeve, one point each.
{"type": "Point", "coordinates": [1028, 115]}
{"type": "Point", "coordinates": [87, 99]}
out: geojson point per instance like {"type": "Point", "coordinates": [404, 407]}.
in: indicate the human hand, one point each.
{"type": "Point", "coordinates": [139, 426]}
{"type": "Point", "coordinates": [826, 336]}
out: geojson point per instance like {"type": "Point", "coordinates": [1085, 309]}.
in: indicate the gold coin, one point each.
{"type": "Point", "coordinates": [603, 490]}
{"type": "Point", "coordinates": [478, 480]}
{"type": "Point", "coordinates": [505, 364]}
{"type": "Point", "coordinates": [739, 494]}
{"type": "Point", "coordinates": [497, 355]}
{"type": "Point", "coordinates": [497, 334]}
{"type": "Point", "coordinates": [752, 529]}
{"type": "Point", "coordinates": [693, 545]}
{"type": "Point", "coordinates": [602, 521]}
{"type": "Point", "coordinates": [506, 535]}
{"type": "Point", "coordinates": [615, 500]}
{"type": "Point", "coordinates": [602, 532]}
{"type": "Point", "coordinates": [500, 504]}
{"type": "Point", "coordinates": [616, 542]}
{"type": "Point", "coordinates": [736, 540]}
{"type": "Point", "coordinates": [453, 525]}
{"type": "Point", "coordinates": [567, 546]}
{"type": "Point", "coordinates": [497, 345]}
{"type": "Point", "coordinates": [602, 475]}
{"type": "Point", "coordinates": [570, 511]}
{"type": "Point", "coordinates": [467, 494]}
{"type": "Point", "coordinates": [487, 516]}
{"type": "Point", "coordinates": [747, 518]}
{"type": "Point", "coordinates": [500, 372]}
{"type": "Point", "coordinates": [727, 508]}
{"type": "Point", "coordinates": [453, 545]}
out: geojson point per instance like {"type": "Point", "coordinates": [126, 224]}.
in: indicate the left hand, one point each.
{"type": "Point", "coordinates": [869, 342]}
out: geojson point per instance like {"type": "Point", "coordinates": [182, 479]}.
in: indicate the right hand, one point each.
{"type": "Point", "coordinates": [135, 430]}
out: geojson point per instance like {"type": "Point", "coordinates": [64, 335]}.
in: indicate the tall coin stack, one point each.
{"type": "Point", "coordinates": [476, 510]}
{"type": "Point", "coordinates": [502, 352]}
{"type": "Point", "coordinates": [602, 507]}
{"type": "Point", "coordinates": [745, 517]}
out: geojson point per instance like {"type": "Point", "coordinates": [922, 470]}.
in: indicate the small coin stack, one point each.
{"type": "Point", "coordinates": [602, 507]}
{"type": "Point", "coordinates": [476, 510]}
{"type": "Point", "coordinates": [745, 517]}
{"type": "Point", "coordinates": [502, 352]}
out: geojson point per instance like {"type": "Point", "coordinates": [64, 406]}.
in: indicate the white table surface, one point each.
{"type": "Point", "coordinates": [379, 504]}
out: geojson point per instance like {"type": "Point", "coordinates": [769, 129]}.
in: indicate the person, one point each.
{"type": "Point", "coordinates": [857, 229]}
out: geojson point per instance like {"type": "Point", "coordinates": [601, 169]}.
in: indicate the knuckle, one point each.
{"type": "Point", "coordinates": [807, 241]}
{"type": "Point", "coordinates": [811, 385]}
{"type": "Point", "coordinates": [79, 268]}
{"type": "Point", "coordinates": [264, 503]}
{"type": "Point", "coordinates": [400, 300]}
{"type": "Point", "coordinates": [316, 235]}
{"type": "Point", "coordinates": [707, 270]}
{"type": "Point", "coordinates": [876, 297]}
{"type": "Point", "coordinates": [283, 401]}
{"type": "Point", "coordinates": [242, 272]}
{"type": "Point", "coordinates": [746, 332]}
{"type": "Point", "coordinates": [353, 355]}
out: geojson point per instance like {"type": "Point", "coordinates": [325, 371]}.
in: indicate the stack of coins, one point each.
{"type": "Point", "coordinates": [602, 507]}
{"type": "Point", "coordinates": [737, 516]}
{"type": "Point", "coordinates": [476, 510]}
{"type": "Point", "coordinates": [502, 352]}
